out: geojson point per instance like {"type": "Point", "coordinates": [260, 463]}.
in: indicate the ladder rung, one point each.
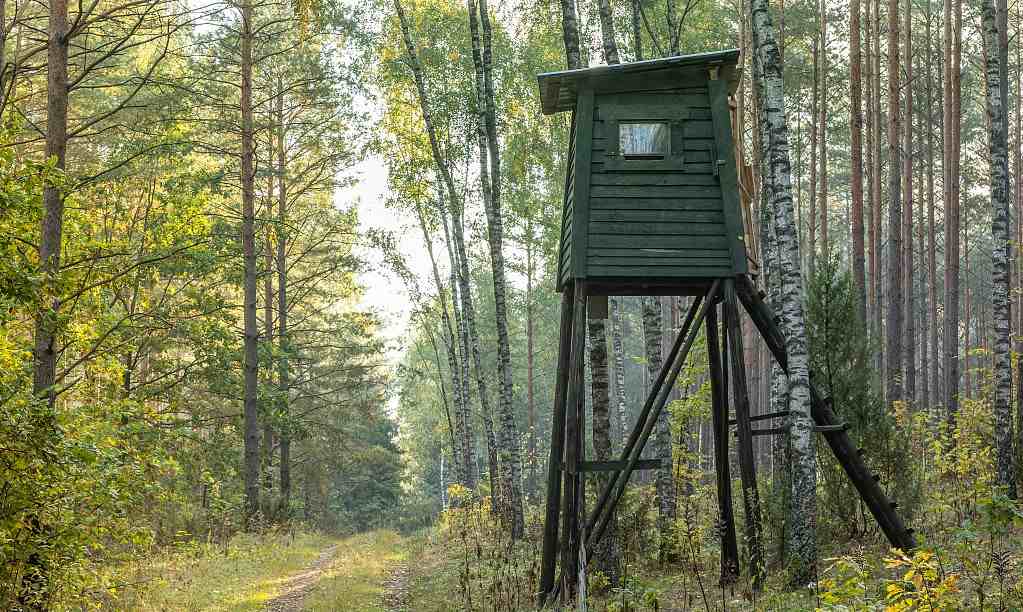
{"type": "Point", "coordinates": [763, 417]}
{"type": "Point", "coordinates": [831, 428]}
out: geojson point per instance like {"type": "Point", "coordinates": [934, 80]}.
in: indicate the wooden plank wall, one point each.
{"type": "Point", "coordinates": [658, 223]}
{"type": "Point", "coordinates": [565, 249]}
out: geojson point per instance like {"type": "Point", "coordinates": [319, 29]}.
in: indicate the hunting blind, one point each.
{"type": "Point", "coordinates": [654, 204]}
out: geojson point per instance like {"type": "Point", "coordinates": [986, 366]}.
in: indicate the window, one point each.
{"type": "Point", "coordinates": [644, 140]}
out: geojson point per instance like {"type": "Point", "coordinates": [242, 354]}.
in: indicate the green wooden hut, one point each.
{"type": "Point", "coordinates": [652, 203]}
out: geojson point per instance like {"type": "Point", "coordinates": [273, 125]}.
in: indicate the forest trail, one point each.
{"type": "Point", "coordinates": [396, 598]}
{"type": "Point", "coordinates": [298, 586]}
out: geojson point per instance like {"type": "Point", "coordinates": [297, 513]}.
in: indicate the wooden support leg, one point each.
{"type": "Point", "coordinates": [747, 466]}
{"type": "Point", "coordinates": [719, 411]}
{"type": "Point", "coordinates": [841, 445]}
{"type": "Point", "coordinates": [554, 473]}
{"type": "Point", "coordinates": [573, 443]}
{"type": "Point", "coordinates": [616, 488]}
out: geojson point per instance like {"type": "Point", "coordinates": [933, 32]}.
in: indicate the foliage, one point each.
{"type": "Point", "coordinates": [841, 364]}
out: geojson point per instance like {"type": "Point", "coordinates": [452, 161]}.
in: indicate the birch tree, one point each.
{"type": "Point", "coordinates": [998, 149]}
{"type": "Point", "coordinates": [490, 180]}
{"type": "Point", "coordinates": [777, 176]}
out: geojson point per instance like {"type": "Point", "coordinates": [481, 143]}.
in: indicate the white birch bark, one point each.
{"type": "Point", "coordinates": [618, 365]}
{"type": "Point", "coordinates": [777, 176]}
{"type": "Point", "coordinates": [665, 483]}
{"type": "Point", "coordinates": [998, 147]}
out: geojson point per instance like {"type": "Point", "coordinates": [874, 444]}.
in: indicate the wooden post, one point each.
{"type": "Point", "coordinates": [573, 445]}
{"type": "Point", "coordinates": [747, 466]}
{"type": "Point", "coordinates": [719, 411]}
{"type": "Point", "coordinates": [554, 473]}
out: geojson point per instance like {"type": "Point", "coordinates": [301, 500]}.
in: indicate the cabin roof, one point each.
{"type": "Point", "coordinates": [558, 89]}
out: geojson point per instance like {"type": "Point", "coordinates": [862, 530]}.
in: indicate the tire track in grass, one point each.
{"type": "Point", "coordinates": [299, 586]}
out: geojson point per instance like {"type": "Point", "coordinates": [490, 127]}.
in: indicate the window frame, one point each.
{"type": "Point", "coordinates": [614, 114]}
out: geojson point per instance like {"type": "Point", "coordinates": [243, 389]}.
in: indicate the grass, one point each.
{"type": "Point", "coordinates": [433, 579]}
{"type": "Point", "coordinates": [242, 576]}
{"type": "Point", "coordinates": [355, 580]}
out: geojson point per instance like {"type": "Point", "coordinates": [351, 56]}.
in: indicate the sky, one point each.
{"type": "Point", "coordinates": [384, 293]}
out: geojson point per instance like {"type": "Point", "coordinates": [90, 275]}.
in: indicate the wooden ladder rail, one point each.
{"type": "Point", "coordinates": [837, 437]}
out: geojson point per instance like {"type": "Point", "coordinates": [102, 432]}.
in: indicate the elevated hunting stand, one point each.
{"type": "Point", "coordinates": [653, 207]}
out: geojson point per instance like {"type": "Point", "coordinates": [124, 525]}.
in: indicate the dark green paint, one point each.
{"type": "Point", "coordinates": [673, 218]}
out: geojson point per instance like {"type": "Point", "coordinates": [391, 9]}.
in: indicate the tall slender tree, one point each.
{"type": "Point", "coordinates": [248, 231]}
{"type": "Point", "coordinates": [822, 123]}
{"type": "Point", "coordinates": [893, 320]}
{"type": "Point", "coordinates": [998, 147]}
{"type": "Point", "coordinates": [932, 248]}
{"type": "Point", "coordinates": [665, 482]}
{"type": "Point", "coordinates": [856, 123]}
{"type": "Point", "coordinates": [610, 559]}
{"type": "Point", "coordinates": [777, 177]}
{"type": "Point", "coordinates": [875, 194]}
{"type": "Point", "coordinates": [450, 197]}
{"type": "Point", "coordinates": [490, 179]}
{"type": "Point", "coordinates": [909, 315]}
{"type": "Point", "coordinates": [952, 119]}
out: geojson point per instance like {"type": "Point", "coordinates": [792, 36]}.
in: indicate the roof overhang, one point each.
{"type": "Point", "coordinates": [558, 90]}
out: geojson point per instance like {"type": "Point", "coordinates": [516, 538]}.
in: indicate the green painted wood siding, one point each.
{"type": "Point", "coordinates": [659, 220]}
{"type": "Point", "coordinates": [565, 246]}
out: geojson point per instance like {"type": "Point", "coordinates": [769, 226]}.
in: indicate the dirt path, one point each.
{"type": "Point", "coordinates": [299, 585]}
{"type": "Point", "coordinates": [396, 597]}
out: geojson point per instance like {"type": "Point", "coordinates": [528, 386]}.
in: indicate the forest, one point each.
{"type": "Point", "coordinates": [291, 315]}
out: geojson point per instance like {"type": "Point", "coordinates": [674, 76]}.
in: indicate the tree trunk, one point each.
{"type": "Point", "coordinates": [781, 468]}
{"type": "Point", "coordinates": [637, 32]}
{"type": "Point", "coordinates": [51, 234]}
{"type": "Point", "coordinates": [570, 33]}
{"type": "Point", "coordinates": [618, 365]}
{"type": "Point", "coordinates": [607, 31]}
{"type": "Point", "coordinates": [490, 180]}
{"type": "Point", "coordinates": [469, 442]}
{"type": "Point", "coordinates": [1018, 153]}
{"type": "Point", "coordinates": [497, 496]}
{"type": "Point", "coordinates": [924, 395]}
{"type": "Point", "coordinates": [33, 592]}
{"type": "Point", "coordinates": [459, 282]}
{"type": "Point", "coordinates": [283, 338]}
{"type": "Point", "coordinates": [463, 455]}
{"type": "Point", "coordinates": [532, 483]}
{"type": "Point", "coordinates": [251, 348]}
{"type": "Point", "coordinates": [875, 195]}
{"type": "Point", "coordinates": [856, 122]}
{"type": "Point", "coordinates": [822, 123]}
{"type": "Point", "coordinates": [662, 438]}
{"type": "Point", "coordinates": [950, 334]}
{"type": "Point", "coordinates": [932, 267]}
{"type": "Point", "coordinates": [893, 324]}
{"type": "Point", "coordinates": [268, 339]}
{"type": "Point", "coordinates": [999, 151]}
{"type": "Point", "coordinates": [511, 461]}
{"type": "Point", "coordinates": [869, 117]}
{"type": "Point", "coordinates": [909, 316]}
{"type": "Point", "coordinates": [607, 557]}
{"type": "Point", "coordinates": [811, 222]}
{"type": "Point", "coordinates": [777, 173]}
